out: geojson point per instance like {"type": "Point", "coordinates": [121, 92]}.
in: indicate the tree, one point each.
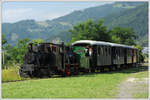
{"type": "Point", "coordinates": [10, 54]}
{"type": "Point", "coordinates": [16, 54]}
{"type": "Point", "coordinates": [21, 49]}
{"type": "Point", "coordinates": [4, 41]}
{"type": "Point", "coordinates": [37, 41]}
{"type": "Point", "coordinates": [90, 30]}
{"type": "Point", "coordinates": [141, 55]}
{"type": "Point", "coordinates": [123, 35]}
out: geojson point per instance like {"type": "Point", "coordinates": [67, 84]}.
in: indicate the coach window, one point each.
{"type": "Point", "coordinates": [106, 51]}
{"type": "Point", "coordinates": [109, 51]}
{"type": "Point", "coordinates": [115, 51]}
{"type": "Point", "coordinates": [98, 50]}
{"type": "Point", "coordinates": [119, 51]}
{"type": "Point", "coordinates": [60, 50]}
{"type": "Point", "coordinates": [128, 52]}
{"type": "Point", "coordinates": [122, 52]}
{"type": "Point", "coordinates": [102, 50]}
{"type": "Point", "coordinates": [54, 48]}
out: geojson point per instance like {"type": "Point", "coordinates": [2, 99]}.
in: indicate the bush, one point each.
{"type": "Point", "coordinates": [11, 74]}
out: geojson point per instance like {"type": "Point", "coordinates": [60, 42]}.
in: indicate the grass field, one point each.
{"type": "Point", "coordinates": [11, 74]}
{"type": "Point", "coordinates": [97, 85]}
{"type": "Point", "coordinates": [140, 76]}
{"type": "Point", "coordinates": [140, 95]}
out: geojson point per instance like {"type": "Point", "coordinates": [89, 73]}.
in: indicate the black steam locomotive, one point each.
{"type": "Point", "coordinates": [48, 59]}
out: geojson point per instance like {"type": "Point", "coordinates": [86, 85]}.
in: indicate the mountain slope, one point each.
{"type": "Point", "coordinates": [136, 18]}
{"type": "Point", "coordinates": [57, 28]}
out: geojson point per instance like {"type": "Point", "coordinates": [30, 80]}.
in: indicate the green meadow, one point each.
{"type": "Point", "coordinates": [92, 85]}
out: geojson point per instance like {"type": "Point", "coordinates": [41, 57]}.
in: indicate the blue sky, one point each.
{"type": "Point", "coordinates": [40, 11]}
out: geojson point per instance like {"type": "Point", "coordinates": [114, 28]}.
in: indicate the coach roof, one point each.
{"type": "Point", "coordinates": [91, 42]}
{"type": "Point", "coordinates": [120, 45]}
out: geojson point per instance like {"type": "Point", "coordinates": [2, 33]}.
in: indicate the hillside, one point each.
{"type": "Point", "coordinates": [57, 28]}
{"type": "Point", "coordinates": [135, 18]}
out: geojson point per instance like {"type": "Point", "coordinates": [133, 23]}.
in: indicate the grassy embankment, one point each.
{"type": "Point", "coordinates": [101, 85]}
{"type": "Point", "coordinates": [11, 74]}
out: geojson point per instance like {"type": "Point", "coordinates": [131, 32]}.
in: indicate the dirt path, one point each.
{"type": "Point", "coordinates": [132, 86]}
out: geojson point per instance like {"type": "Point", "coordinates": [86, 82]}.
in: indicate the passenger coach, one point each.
{"type": "Point", "coordinates": [104, 54]}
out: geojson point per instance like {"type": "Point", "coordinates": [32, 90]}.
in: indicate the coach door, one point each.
{"type": "Point", "coordinates": [108, 55]}
{"type": "Point", "coordinates": [98, 55]}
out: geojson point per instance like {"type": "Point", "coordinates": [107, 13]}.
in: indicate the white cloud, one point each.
{"type": "Point", "coordinates": [51, 16]}
{"type": "Point", "coordinates": [13, 12]}
{"type": "Point", "coordinates": [11, 15]}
